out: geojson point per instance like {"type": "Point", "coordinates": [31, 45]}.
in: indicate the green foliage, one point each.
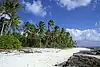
{"type": "Point", "coordinates": [9, 7]}
{"type": "Point", "coordinates": [34, 35]}
{"type": "Point", "coordinates": [39, 36]}
{"type": "Point", "coordinates": [9, 42]}
{"type": "Point", "coordinates": [20, 37]}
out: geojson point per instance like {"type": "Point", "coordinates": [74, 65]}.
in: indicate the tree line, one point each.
{"type": "Point", "coordinates": [31, 35]}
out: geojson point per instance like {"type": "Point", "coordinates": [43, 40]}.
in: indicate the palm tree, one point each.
{"type": "Point", "coordinates": [2, 25]}
{"type": "Point", "coordinates": [9, 8]}
{"type": "Point", "coordinates": [41, 28]}
{"type": "Point", "coordinates": [56, 35]}
{"type": "Point", "coordinates": [67, 38]}
{"type": "Point", "coordinates": [15, 24]}
{"type": "Point", "coordinates": [30, 32]}
{"type": "Point", "coordinates": [48, 36]}
{"type": "Point", "coordinates": [56, 29]}
{"type": "Point", "coordinates": [2, 16]}
{"type": "Point", "coordinates": [41, 32]}
{"type": "Point", "coordinates": [62, 37]}
{"type": "Point", "coordinates": [29, 28]}
{"type": "Point", "coordinates": [50, 24]}
{"type": "Point", "coordinates": [62, 31]}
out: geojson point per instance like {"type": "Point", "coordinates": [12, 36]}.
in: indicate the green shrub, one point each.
{"type": "Point", "coordinates": [9, 42]}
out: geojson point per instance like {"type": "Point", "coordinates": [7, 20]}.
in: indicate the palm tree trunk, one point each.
{"type": "Point", "coordinates": [8, 28]}
{"type": "Point", "coordinates": [46, 42]}
{"type": "Point", "coordinates": [2, 29]}
{"type": "Point", "coordinates": [40, 43]}
{"type": "Point", "coordinates": [2, 26]}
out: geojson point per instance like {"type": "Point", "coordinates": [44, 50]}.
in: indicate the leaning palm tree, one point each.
{"type": "Point", "coordinates": [29, 29]}
{"type": "Point", "coordinates": [2, 25]}
{"type": "Point", "coordinates": [30, 32]}
{"type": "Point", "coordinates": [9, 8]}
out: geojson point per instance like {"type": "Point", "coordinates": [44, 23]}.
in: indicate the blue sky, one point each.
{"type": "Point", "coordinates": [82, 17]}
{"type": "Point", "coordinates": [77, 16]}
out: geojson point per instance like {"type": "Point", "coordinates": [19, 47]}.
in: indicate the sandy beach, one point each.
{"type": "Point", "coordinates": [47, 58]}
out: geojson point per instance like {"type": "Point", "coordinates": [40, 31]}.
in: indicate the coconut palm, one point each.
{"type": "Point", "coordinates": [41, 27]}
{"type": "Point", "coordinates": [2, 24]}
{"type": "Point", "coordinates": [50, 24]}
{"type": "Point", "coordinates": [56, 35]}
{"type": "Point", "coordinates": [29, 28]}
{"type": "Point", "coordinates": [30, 32]}
{"type": "Point", "coordinates": [9, 8]}
{"type": "Point", "coordinates": [48, 36]}
{"type": "Point", "coordinates": [62, 37]}
{"type": "Point", "coordinates": [15, 24]}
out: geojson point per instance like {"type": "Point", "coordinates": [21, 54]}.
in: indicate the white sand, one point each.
{"type": "Point", "coordinates": [48, 58]}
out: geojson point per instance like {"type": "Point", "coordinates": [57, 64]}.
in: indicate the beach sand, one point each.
{"type": "Point", "coordinates": [47, 57]}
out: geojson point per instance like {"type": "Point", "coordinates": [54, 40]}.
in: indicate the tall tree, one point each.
{"type": "Point", "coordinates": [56, 35]}
{"type": "Point", "coordinates": [62, 37]}
{"type": "Point", "coordinates": [42, 29]}
{"type": "Point", "coordinates": [29, 28]}
{"type": "Point", "coordinates": [50, 24]}
{"type": "Point", "coordinates": [30, 32]}
{"type": "Point", "coordinates": [48, 37]}
{"type": "Point", "coordinates": [2, 23]}
{"type": "Point", "coordinates": [9, 7]}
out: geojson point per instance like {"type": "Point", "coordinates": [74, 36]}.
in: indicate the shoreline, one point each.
{"type": "Point", "coordinates": [47, 58]}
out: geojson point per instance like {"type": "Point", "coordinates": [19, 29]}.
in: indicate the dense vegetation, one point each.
{"type": "Point", "coordinates": [31, 35]}
{"type": "Point", "coordinates": [9, 42]}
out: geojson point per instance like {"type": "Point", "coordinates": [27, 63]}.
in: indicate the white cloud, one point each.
{"type": "Point", "coordinates": [95, 3]}
{"type": "Point", "coordinates": [89, 34]}
{"type": "Point", "coordinates": [97, 24]}
{"type": "Point", "coordinates": [32, 22]}
{"type": "Point", "coordinates": [36, 8]}
{"type": "Point", "coordinates": [50, 13]}
{"type": "Point", "coordinates": [72, 4]}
